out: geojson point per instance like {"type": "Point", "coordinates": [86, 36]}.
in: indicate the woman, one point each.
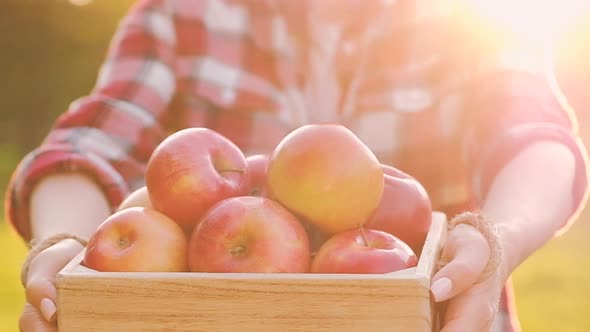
{"type": "Point", "coordinates": [415, 86]}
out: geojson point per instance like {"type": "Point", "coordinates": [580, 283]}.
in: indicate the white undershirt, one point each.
{"type": "Point", "coordinates": [323, 91]}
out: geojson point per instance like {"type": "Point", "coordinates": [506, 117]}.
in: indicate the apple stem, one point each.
{"type": "Point", "coordinates": [364, 236]}
{"type": "Point", "coordinates": [123, 242]}
{"type": "Point", "coordinates": [237, 250]}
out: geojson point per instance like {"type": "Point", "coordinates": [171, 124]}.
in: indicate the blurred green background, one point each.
{"type": "Point", "coordinates": [50, 51]}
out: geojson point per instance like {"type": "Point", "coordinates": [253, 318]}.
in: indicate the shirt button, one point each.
{"type": "Point", "coordinates": [348, 48]}
{"type": "Point", "coordinates": [228, 95]}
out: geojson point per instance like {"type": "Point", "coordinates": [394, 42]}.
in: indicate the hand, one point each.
{"type": "Point", "coordinates": [40, 312]}
{"type": "Point", "coordinates": [472, 297]}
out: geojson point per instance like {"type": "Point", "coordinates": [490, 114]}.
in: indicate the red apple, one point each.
{"type": "Point", "coordinates": [138, 198]}
{"type": "Point", "coordinates": [363, 251]}
{"type": "Point", "coordinates": [257, 166]}
{"type": "Point", "coordinates": [326, 174]}
{"type": "Point", "coordinates": [405, 209]}
{"type": "Point", "coordinates": [137, 240]}
{"type": "Point", "coordinates": [191, 170]}
{"type": "Point", "coordinates": [249, 234]}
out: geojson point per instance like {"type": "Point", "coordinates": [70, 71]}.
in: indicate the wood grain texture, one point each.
{"type": "Point", "coordinates": [399, 301]}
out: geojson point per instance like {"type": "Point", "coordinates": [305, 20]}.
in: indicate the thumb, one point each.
{"type": "Point", "coordinates": [40, 279]}
{"type": "Point", "coordinates": [467, 252]}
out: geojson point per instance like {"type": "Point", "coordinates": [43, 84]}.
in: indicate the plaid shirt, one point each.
{"type": "Point", "coordinates": [418, 88]}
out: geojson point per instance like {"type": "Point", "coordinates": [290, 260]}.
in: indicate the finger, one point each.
{"type": "Point", "coordinates": [40, 286]}
{"type": "Point", "coordinates": [32, 321]}
{"type": "Point", "coordinates": [474, 309]}
{"type": "Point", "coordinates": [468, 253]}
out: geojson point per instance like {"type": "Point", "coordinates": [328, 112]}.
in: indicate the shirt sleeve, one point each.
{"type": "Point", "coordinates": [110, 133]}
{"type": "Point", "coordinates": [513, 102]}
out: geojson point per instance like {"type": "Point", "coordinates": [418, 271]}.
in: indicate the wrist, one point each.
{"type": "Point", "coordinates": [513, 245]}
{"type": "Point", "coordinates": [517, 240]}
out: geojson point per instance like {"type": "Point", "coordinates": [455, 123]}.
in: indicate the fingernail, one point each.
{"type": "Point", "coordinates": [441, 289]}
{"type": "Point", "coordinates": [48, 309]}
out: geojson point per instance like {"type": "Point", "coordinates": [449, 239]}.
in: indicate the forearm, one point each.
{"type": "Point", "coordinates": [70, 203]}
{"type": "Point", "coordinates": [531, 198]}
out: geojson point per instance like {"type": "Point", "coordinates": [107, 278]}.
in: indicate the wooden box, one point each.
{"type": "Point", "coordinates": [400, 301]}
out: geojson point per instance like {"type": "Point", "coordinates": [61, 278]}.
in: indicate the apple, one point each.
{"type": "Point", "coordinates": [326, 174]}
{"type": "Point", "coordinates": [138, 198]}
{"type": "Point", "coordinates": [249, 234]}
{"type": "Point", "coordinates": [365, 251]}
{"type": "Point", "coordinates": [257, 166]}
{"type": "Point", "coordinates": [191, 170]}
{"type": "Point", "coordinates": [405, 209]}
{"type": "Point", "coordinates": [137, 239]}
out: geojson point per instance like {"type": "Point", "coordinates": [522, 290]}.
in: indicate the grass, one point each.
{"type": "Point", "coordinates": [553, 286]}
{"type": "Point", "coordinates": [13, 253]}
